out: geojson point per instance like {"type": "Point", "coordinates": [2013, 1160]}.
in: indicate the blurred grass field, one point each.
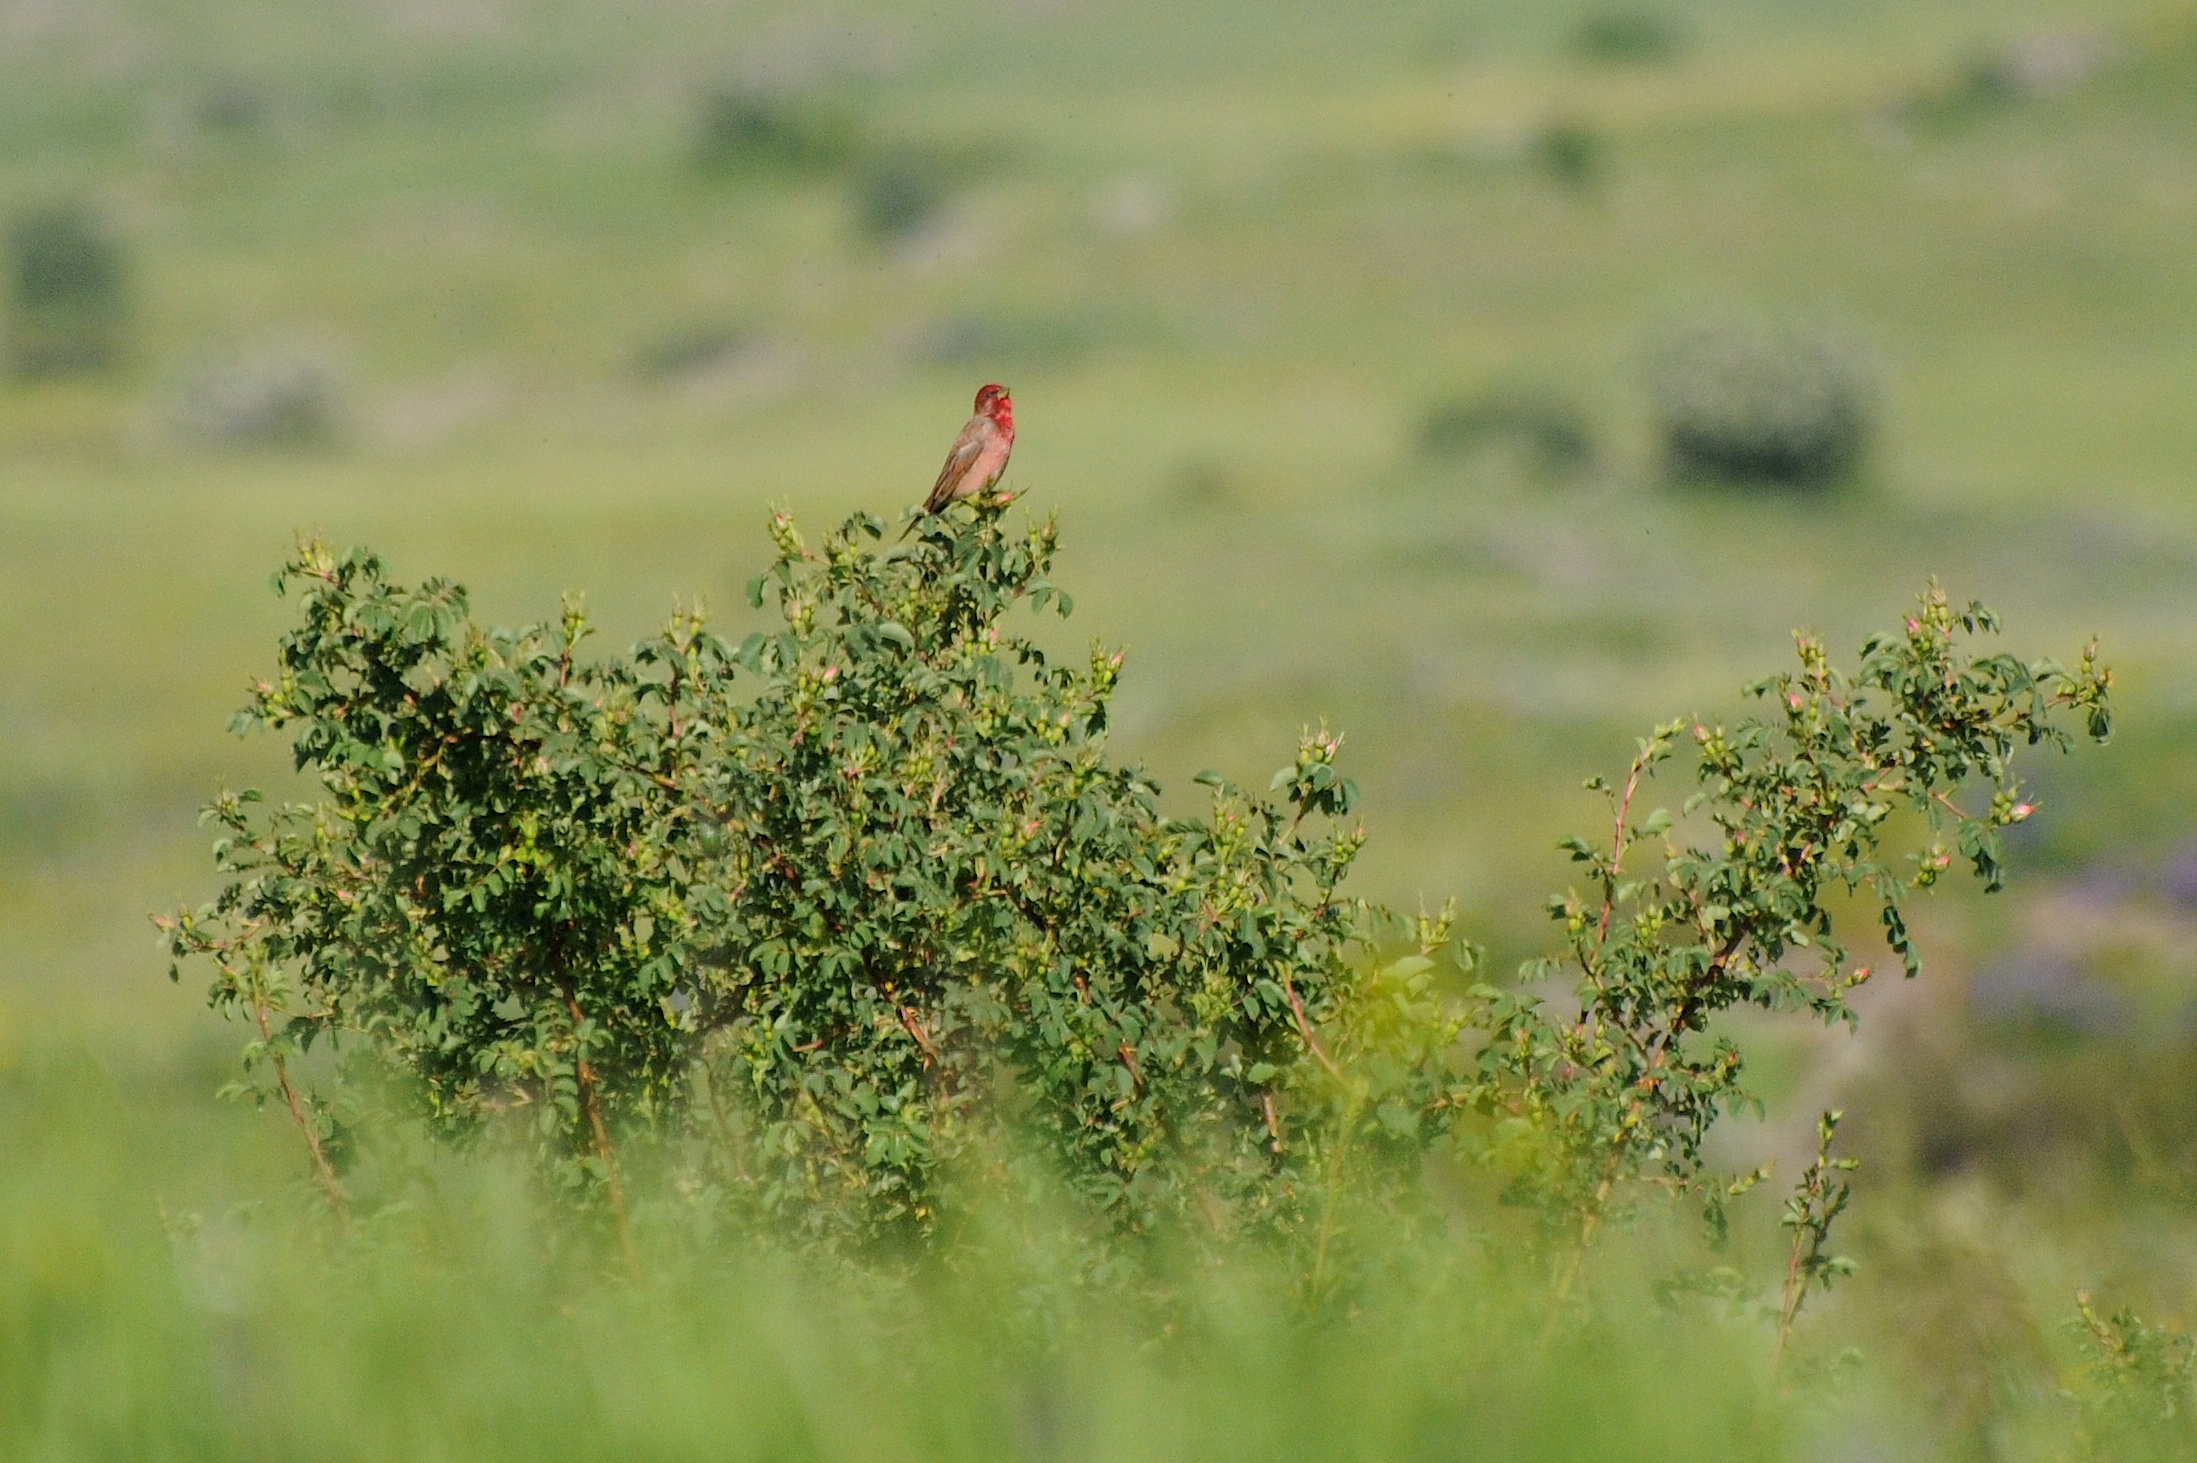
{"type": "Point", "coordinates": [1229, 258]}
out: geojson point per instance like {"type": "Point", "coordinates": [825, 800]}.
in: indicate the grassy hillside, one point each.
{"type": "Point", "coordinates": [1229, 261]}
{"type": "Point", "coordinates": [1229, 257]}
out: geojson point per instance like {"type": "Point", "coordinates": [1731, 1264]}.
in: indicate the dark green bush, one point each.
{"type": "Point", "coordinates": [279, 398]}
{"type": "Point", "coordinates": [1749, 400]}
{"type": "Point", "coordinates": [1552, 429]}
{"type": "Point", "coordinates": [1570, 151]}
{"type": "Point", "coordinates": [1627, 36]}
{"type": "Point", "coordinates": [899, 196]}
{"type": "Point", "coordinates": [833, 919]}
{"type": "Point", "coordinates": [693, 350]}
{"type": "Point", "coordinates": [743, 129]}
{"type": "Point", "coordinates": [66, 292]}
{"type": "Point", "coordinates": [2012, 74]}
{"type": "Point", "coordinates": [233, 108]}
{"type": "Point", "coordinates": [848, 904]}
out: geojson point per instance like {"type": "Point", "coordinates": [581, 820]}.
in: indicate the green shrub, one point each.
{"type": "Point", "coordinates": [1626, 36]}
{"type": "Point", "coordinates": [2013, 74]}
{"type": "Point", "coordinates": [693, 351]}
{"type": "Point", "coordinates": [1552, 429]}
{"type": "Point", "coordinates": [1623, 1081]}
{"type": "Point", "coordinates": [899, 196]}
{"type": "Point", "coordinates": [816, 898]}
{"type": "Point", "coordinates": [233, 108]}
{"type": "Point", "coordinates": [280, 398]}
{"type": "Point", "coordinates": [860, 908]}
{"type": "Point", "coordinates": [1570, 151]}
{"type": "Point", "coordinates": [743, 129]}
{"type": "Point", "coordinates": [66, 292]}
{"type": "Point", "coordinates": [1744, 399]}
{"type": "Point", "coordinates": [2134, 1388]}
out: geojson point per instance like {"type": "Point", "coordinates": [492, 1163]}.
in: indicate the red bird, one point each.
{"type": "Point", "coordinates": [979, 455]}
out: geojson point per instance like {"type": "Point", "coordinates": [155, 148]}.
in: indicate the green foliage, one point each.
{"type": "Point", "coordinates": [475, 889]}
{"type": "Point", "coordinates": [2134, 1389]}
{"type": "Point", "coordinates": [470, 1325]}
{"type": "Point", "coordinates": [1813, 1207]}
{"type": "Point", "coordinates": [1789, 813]}
{"type": "Point", "coordinates": [741, 129]}
{"type": "Point", "coordinates": [65, 291]}
{"type": "Point", "coordinates": [1750, 400]}
{"type": "Point", "coordinates": [858, 910]}
{"type": "Point", "coordinates": [844, 905]}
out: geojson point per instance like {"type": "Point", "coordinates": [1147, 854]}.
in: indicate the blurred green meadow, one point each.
{"type": "Point", "coordinates": [558, 295]}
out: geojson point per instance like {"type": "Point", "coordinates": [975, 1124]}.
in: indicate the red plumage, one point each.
{"type": "Point", "coordinates": [978, 458]}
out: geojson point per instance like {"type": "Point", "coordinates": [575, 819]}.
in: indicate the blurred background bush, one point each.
{"type": "Point", "coordinates": [276, 397]}
{"type": "Point", "coordinates": [1551, 429]}
{"type": "Point", "coordinates": [1751, 400]}
{"type": "Point", "coordinates": [747, 128]}
{"type": "Point", "coordinates": [66, 297]}
{"type": "Point", "coordinates": [1627, 36]}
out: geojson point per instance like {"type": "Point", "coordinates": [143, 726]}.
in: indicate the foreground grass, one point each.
{"type": "Point", "coordinates": [169, 1290]}
{"type": "Point", "coordinates": [469, 1323]}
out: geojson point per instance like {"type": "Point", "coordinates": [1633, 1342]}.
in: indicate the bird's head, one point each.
{"type": "Point", "coordinates": [992, 401]}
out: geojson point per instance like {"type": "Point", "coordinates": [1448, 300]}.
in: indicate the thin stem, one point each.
{"type": "Point", "coordinates": [599, 1132]}
{"type": "Point", "coordinates": [1617, 848]}
{"type": "Point", "coordinates": [1796, 1291]}
{"type": "Point", "coordinates": [1568, 1278]}
{"type": "Point", "coordinates": [322, 1169]}
{"type": "Point", "coordinates": [914, 1025]}
{"type": "Point", "coordinates": [1816, 1203]}
{"type": "Point", "coordinates": [1304, 1028]}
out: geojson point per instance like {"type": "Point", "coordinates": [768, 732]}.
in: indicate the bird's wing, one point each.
{"type": "Point", "coordinates": [959, 459]}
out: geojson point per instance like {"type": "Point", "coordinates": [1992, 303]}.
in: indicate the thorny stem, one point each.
{"type": "Point", "coordinates": [1329, 1190]}
{"type": "Point", "coordinates": [726, 1147]}
{"type": "Point", "coordinates": [1568, 1277]}
{"type": "Point", "coordinates": [1689, 1003]}
{"type": "Point", "coordinates": [599, 1132]}
{"type": "Point", "coordinates": [1304, 1028]}
{"type": "Point", "coordinates": [914, 1025]}
{"type": "Point", "coordinates": [1342, 1141]}
{"type": "Point", "coordinates": [1819, 1199]}
{"type": "Point", "coordinates": [1590, 1219]}
{"type": "Point", "coordinates": [1951, 807]}
{"type": "Point", "coordinates": [1796, 1290]}
{"type": "Point", "coordinates": [1617, 847]}
{"type": "Point", "coordinates": [322, 1169]}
